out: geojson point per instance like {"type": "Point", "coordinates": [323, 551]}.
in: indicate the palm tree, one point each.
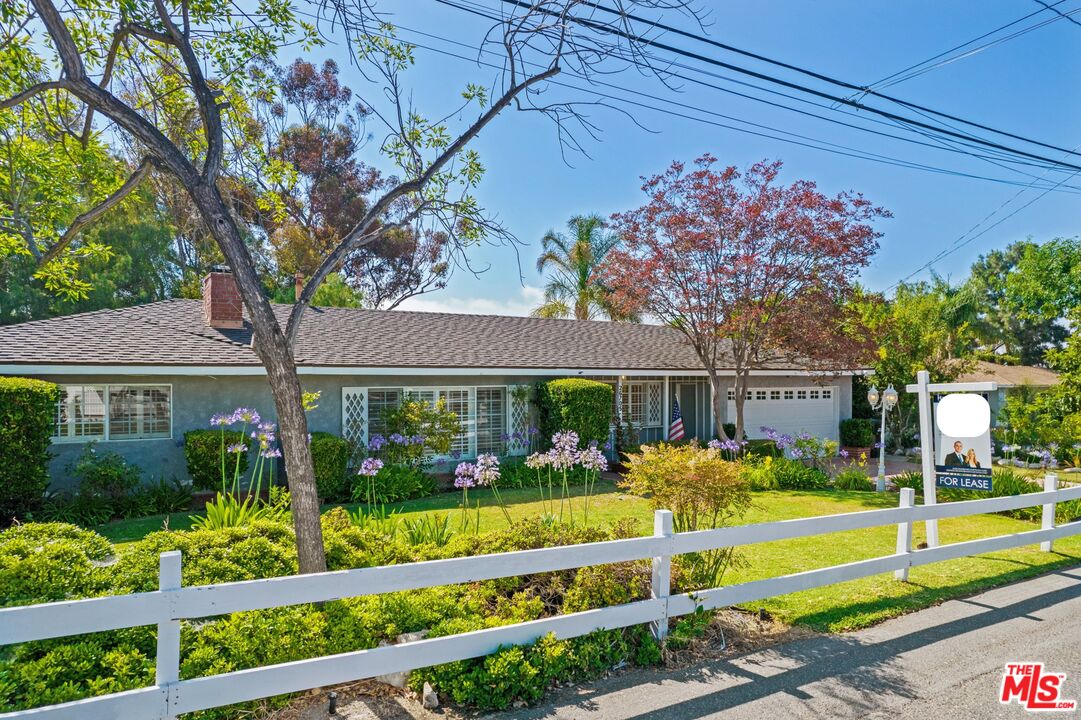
{"type": "Point", "coordinates": [573, 287]}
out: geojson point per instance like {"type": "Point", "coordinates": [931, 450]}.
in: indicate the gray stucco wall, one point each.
{"type": "Point", "coordinates": [196, 398]}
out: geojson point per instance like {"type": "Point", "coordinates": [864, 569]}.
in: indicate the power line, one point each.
{"type": "Point", "coordinates": [1051, 7]}
{"type": "Point", "coordinates": [601, 27]}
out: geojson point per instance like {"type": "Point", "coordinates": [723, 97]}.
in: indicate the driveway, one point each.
{"type": "Point", "coordinates": [939, 664]}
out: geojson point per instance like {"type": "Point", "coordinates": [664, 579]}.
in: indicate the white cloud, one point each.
{"type": "Point", "coordinates": [522, 303]}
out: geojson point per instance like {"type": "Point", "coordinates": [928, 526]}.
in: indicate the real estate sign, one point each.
{"type": "Point", "coordinates": [963, 447]}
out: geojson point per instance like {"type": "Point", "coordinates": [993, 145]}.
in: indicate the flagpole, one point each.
{"type": "Point", "coordinates": [666, 408]}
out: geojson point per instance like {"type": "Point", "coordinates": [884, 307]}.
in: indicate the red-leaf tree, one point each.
{"type": "Point", "coordinates": [749, 270]}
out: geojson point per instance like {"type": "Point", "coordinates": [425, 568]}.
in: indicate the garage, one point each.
{"type": "Point", "coordinates": [790, 410]}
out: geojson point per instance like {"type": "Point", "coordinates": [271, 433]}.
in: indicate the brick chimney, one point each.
{"type": "Point", "coordinates": [222, 306]}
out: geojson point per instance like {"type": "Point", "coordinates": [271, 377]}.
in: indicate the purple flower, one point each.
{"type": "Point", "coordinates": [538, 460]}
{"type": "Point", "coordinates": [376, 443]}
{"type": "Point", "coordinates": [504, 437]}
{"type": "Point", "coordinates": [796, 453]}
{"type": "Point", "coordinates": [417, 440]}
{"type": "Point", "coordinates": [565, 440]}
{"type": "Point", "coordinates": [245, 415]}
{"type": "Point", "coordinates": [714, 444]}
{"type": "Point", "coordinates": [784, 441]}
{"type": "Point", "coordinates": [398, 439]}
{"type": "Point", "coordinates": [272, 453]}
{"type": "Point", "coordinates": [770, 433]}
{"type": "Point", "coordinates": [487, 469]}
{"type": "Point", "coordinates": [465, 475]}
{"type": "Point", "coordinates": [456, 454]}
{"type": "Point", "coordinates": [844, 453]}
{"type": "Point", "coordinates": [608, 446]}
{"type": "Point", "coordinates": [803, 435]}
{"type": "Point", "coordinates": [236, 449]}
{"type": "Point", "coordinates": [593, 459]}
{"type": "Point", "coordinates": [370, 466]}
{"type": "Point", "coordinates": [533, 430]}
{"type": "Point", "coordinates": [877, 446]}
{"type": "Point", "coordinates": [221, 419]}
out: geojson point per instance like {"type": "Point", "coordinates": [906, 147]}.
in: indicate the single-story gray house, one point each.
{"type": "Point", "coordinates": [136, 379]}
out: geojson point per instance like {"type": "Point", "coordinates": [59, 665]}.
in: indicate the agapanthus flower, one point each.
{"type": "Point", "coordinates": [271, 453]}
{"type": "Point", "coordinates": [533, 430]}
{"type": "Point", "coordinates": [456, 454]}
{"type": "Point", "coordinates": [370, 466]}
{"type": "Point", "coordinates": [417, 440]}
{"type": "Point", "coordinates": [770, 433]}
{"type": "Point", "coordinates": [844, 453]}
{"type": "Point", "coordinates": [221, 419]}
{"type": "Point", "coordinates": [376, 443]}
{"type": "Point", "coordinates": [536, 461]}
{"type": "Point", "coordinates": [804, 435]}
{"type": "Point", "coordinates": [593, 459]}
{"type": "Point", "coordinates": [236, 449]}
{"type": "Point", "coordinates": [465, 475]}
{"type": "Point", "coordinates": [398, 439]}
{"type": "Point", "coordinates": [714, 444]}
{"type": "Point", "coordinates": [608, 446]}
{"type": "Point", "coordinates": [784, 441]}
{"type": "Point", "coordinates": [796, 453]}
{"type": "Point", "coordinates": [565, 440]}
{"type": "Point", "coordinates": [245, 415]}
{"type": "Point", "coordinates": [504, 437]}
{"type": "Point", "coordinates": [877, 446]}
{"type": "Point", "coordinates": [487, 470]}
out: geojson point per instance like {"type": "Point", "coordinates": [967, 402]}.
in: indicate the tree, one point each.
{"type": "Point", "coordinates": [573, 287]}
{"type": "Point", "coordinates": [1004, 333]}
{"type": "Point", "coordinates": [747, 269]}
{"type": "Point", "coordinates": [187, 121]}
{"type": "Point", "coordinates": [917, 329]}
{"type": "Point", "coordinates": [1046, 283]}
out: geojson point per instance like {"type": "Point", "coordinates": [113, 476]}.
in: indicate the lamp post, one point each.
{"type": "Point", "coordinates": [887, 400]}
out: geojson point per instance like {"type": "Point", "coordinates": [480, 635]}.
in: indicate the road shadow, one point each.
{"type": "Point", "coordinates": [864, 671]}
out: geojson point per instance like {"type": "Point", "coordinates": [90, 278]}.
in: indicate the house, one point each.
{"type": "Point", "coordinates": [1010, 379]}
{"type": "Point", "coordinates": [135, 380]}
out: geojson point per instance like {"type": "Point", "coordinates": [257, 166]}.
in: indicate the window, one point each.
{"type": "Point", "coordinates": [114, 412]}
{"type": "Point", "coordinates": [731, 394]}
{"type": "Point", "coordinates": [642, 404]}
{"type": "Point", "coordinates": [788, 395]}
{"type": "Point", "coordinates": [139, 411]}
{"type": "Point", "coordinates": [491, 419]}
{"type": "Point", "coordinates": [379, 401]}
{"type": "Point", "coordinates": [774, 394]}
{"type": "Point", "coordinates": [827, 394]}
{"type": "Point", "coordinates": [759, 394]}
{"type": "Point", "coordinates": [814, 394]}
{"type": "Point", "coordinates": [801, 394]}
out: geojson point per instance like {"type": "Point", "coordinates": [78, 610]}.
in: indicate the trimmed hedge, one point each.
{"type": "Point", "coordinates": [27, 414]}
{"type": "Point", "coordinates": [857, 433]}
{"type": "Point", "coordinates": [584, 406]}
{"type": "Point", "coordinates": [330, 456]}
{"type": "Point", "coordinates": [202, 451]}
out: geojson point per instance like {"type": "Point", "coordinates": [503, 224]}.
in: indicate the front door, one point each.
{"type": "Point", "coordinates": [688, 408]}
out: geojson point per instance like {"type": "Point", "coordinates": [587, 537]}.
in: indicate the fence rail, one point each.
{"type": "Point", "coordinates": [172, 603]}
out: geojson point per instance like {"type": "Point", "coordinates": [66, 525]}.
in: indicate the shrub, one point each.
{"type": "Point", "coordinates": [763, 447]}
{"type": "Point", "coordinates": [909, 479]}
{"type": "Point", "coordinates": [701, 488]}
{"type": "Point", "coordinates": [203, 453]}
{"type": "Point", "coordinates": [394, 483]}
{"type": "Point", "coordinates": [852, 479]}
{"type": "Point", "coordinates": [27, 414]}
{"type": "Point", "coordinates": [415, 429]}
{"type": "Point", "coordinates": [730, 430]}
{"type": "Point", "coordinates": [857, 433]}
{"type": "Point", "coordinates": [794, 475]}
{"type": "Point", "coordinates": [47, 562]}
{"type": "Point", "coordinates": [330, 456]}
{"type": "Point", "coordinates": [584, 406]}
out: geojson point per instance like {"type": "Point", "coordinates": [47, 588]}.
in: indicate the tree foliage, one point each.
{"type": "Point", "coordinates": [746, 268]}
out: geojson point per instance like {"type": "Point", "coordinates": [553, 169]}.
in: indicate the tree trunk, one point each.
{"type": "Point", "coordinates": [273, 349]}
{"type": "Point", "coordinates": [719, 398]}
{"type": "Point", "coordinates": [741, 397]}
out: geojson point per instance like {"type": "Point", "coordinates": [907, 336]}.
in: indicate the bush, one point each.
{"type": "Point", "coordinates": [730, 430]}
{"type": "Point", "coordinates": [857, 433]}
{"type": "Point", "coordinates": [394, 483]}
{"type": "Point", "coordinates": [203, 453]}
{"type": "Point", "coordinates": [794, 475]}
{"type": "Point", "coordinates": [852, 479]}
{"type": "Point", "coordinates": [763, 447]}
{"type": "Point", "coordinates": [416, 429]}
{"type": "Point", "coordinates": [27, 417]}
{"type": "Point", "coordinates": [584, 406]}
{"type": "Point", "coordinates": [330, 456]}
{"type": "Point", "coordinates": [47, 562]}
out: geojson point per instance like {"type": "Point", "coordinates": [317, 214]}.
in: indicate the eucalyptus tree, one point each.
{"type": "Point", "coordinates": [187, 122]}
{"type": "Point", "coordinates": [573, 286]}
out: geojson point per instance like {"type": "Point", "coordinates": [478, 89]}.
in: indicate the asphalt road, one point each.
{"type": "Point", "coordinates": [944, 663]}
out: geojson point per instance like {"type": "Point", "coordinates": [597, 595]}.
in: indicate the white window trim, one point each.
{"type": "Point", "coordinates": [646, 423]}
{"type": "Point", "coordinates": [107, 387]}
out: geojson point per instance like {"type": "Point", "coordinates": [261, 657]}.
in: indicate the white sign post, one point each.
{"type": "Point", "coordinates": [924, 389]}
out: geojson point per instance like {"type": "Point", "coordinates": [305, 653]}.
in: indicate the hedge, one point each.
{"type": "Point", "coordinates": [330, 456]}
{"type": "Point", "coordinates": [202, 451]}
{"type": "Point", "coordinates": [584, 406]}
{"type": "Point", "coordinates": [857, 433]}
{"type": "Point", "coordinates": [27, 417]}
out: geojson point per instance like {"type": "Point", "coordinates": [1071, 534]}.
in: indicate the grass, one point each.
{"type": "Point", "coordinates": [835, 608]}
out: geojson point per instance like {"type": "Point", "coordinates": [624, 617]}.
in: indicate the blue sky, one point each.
{"type": "Point", "coordinates": [1026, 85]}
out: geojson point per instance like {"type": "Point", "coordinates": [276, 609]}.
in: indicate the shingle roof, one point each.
{"type": "Point", "coordinates": [173, 332]}
{"type": "Point", "coordinates": [1010, 375]}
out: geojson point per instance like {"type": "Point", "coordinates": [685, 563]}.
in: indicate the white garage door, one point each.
{"type": "Point", "coordinates": [789, 410]}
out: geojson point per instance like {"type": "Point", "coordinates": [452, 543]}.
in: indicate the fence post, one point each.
{"type": "Point", "coordinates": [1050, 483]}
{"type": "Point", "coordinates": [904, 532]}
{"type": "Point", "coordinates": [662, 571]}
{"type": "Point", "coordinates": [167, 667]}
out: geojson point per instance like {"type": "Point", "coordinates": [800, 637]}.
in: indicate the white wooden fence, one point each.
{"type": "Point", "coordinates": [172, 603]}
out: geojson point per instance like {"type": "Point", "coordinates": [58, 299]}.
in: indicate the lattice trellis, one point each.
{"type": "Point", "coordinates": [355, 414]}
{"type": "Point", "coordinates": [653, 405]}
{"type": "Point", "coordinates": [518, 416]}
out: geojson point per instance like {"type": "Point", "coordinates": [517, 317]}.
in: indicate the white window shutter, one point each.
{"type": "Point", "coordinates": [654, 402]}
{"type": "Point", "coordinates": [518, 416]}
{"type": "Point", "coordinates": [355, 414]}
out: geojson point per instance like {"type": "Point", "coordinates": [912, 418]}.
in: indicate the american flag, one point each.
{"type": "Point", "coordinates": [675, 430]}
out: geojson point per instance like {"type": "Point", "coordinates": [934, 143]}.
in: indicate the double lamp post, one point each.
{"type": "Point", "coordinates": [887, 400]}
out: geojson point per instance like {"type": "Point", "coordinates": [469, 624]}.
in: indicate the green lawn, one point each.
{"type": "Point", "coordinates": [834, 608]}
